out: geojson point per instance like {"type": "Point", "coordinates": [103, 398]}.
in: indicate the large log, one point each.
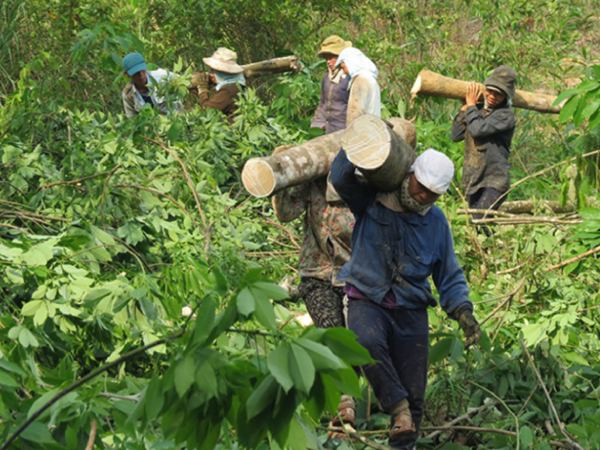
{"type": "Point", "coordinates": [305, 162]}
{"type": "Point", "coordinates": [274, 65]}
{"type": "Point", "coordinates": [381, 154]}
{"type": "Point", "coordinates": [431, 83]}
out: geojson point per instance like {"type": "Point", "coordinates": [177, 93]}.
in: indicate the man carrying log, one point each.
{"type": "Point", "coordinates": [487, 130]}
{"type": "Point", "coordinates": [141, 91]}
{"type": "Point", "coordinates": [220, 88]}
{"type": "Point", "coordinates": [399, 240]}
{"type": "Point", "coordinates": [331, 113]}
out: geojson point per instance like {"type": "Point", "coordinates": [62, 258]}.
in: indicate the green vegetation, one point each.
{"type": "Point", "coordinates": [109, 227]}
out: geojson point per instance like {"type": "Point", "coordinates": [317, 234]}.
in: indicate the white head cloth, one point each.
{"type": "Point", "coordinates": [356, 62]}
{"type": "Point", "coordinates": [434, 170]}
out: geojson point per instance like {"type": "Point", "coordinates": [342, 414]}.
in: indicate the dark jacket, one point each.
{"type": "Point", "coordinates": [488, 135]}
{"type": "Point", "coordinates": [223, 99]}
{"type": "Point", "coordinates": [398, 251]}
{"type": "Point", "coordinates": [331, 113]}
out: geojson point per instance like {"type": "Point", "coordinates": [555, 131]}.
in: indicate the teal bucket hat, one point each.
{"type": "Point", "coordinates": [134, 63]}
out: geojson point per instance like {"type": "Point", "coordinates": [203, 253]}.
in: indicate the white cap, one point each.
{"type": "Point", "coordinates": [434, 170]}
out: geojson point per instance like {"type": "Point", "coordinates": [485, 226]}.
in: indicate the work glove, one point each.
{"type": "Point", "coordinates": [470, 327]}
{"type": "Point", "coordinates": [200, 81]}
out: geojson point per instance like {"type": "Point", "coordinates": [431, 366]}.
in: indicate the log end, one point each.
{"type": "Point", "coordinates": [258, 177]}
{"type": "Point", "coordinates": [405, 129]}
{"type": "Point", "coordinates": [367, 142]}
{"type": "Point", "coordinates": [416, 87]}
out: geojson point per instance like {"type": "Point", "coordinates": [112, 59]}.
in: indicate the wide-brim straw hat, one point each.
{"type": "Point", "coordinates": [333, 45]}
{"type": "Point", "coordinates": [223, 60]}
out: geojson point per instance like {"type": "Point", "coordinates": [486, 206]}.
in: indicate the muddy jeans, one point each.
{"type": "Point", "coordinates": [323, 302]}
{"type": "Point", "coordinates": [398, 340]}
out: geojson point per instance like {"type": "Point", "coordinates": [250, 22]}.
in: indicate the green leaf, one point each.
{"type": "Point", "coordinates": [278, 365]}
{"type": "Point", "coordinates": [206, 379]}
{"type": "Point", "coordinates": [245, 302]}
{"type": "Point", "coordinates": [568, 109]}
{"type": "Point", "coordinates": [30, 308]}
{"type": "Point", "coordinates": [270, 290]}
{"type": "Point", "coordinates": [344, 344]}
{"type": "Point", "coordinates": [153, 399]}
{"type": "Point", "coordinates": [41, 401]}
{"type": "Point", "coordinates": [184, 375]}
{"type": "Point", "coordinates": [27, 339]}
{"type": "Point", "coordinates": [322, 357]}
{"type": "Point", "coordinates": [38, 432]}
{"type": "Point", "coordinates": [301, 368]}
{"type": "Point", "coordinates": [262, 397]}
{"type": "Point", "coordinates": [39, 254]}
{"type": "Point", "coordinates": [40, 315]}
{"type": "Point", "coordinates": [526, 437]}
{"type": "Point", "coordinates": [533, 333]}
{"type": "Point", "coordinates": [264, 313]}
{"type": "Point", "coordinates": [205, 321]}
{"type": "Point", "coordinates": [7, 380]}
{"type": "Point", "coordinates": [440, 350]}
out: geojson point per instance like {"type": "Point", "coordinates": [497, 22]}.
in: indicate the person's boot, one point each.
{"type": "Point", "coordinates": [402, 421]}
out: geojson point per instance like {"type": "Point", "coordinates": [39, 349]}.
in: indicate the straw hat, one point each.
{"type": "Point", "coordinates": [333, 45]}
{"type": "Point", "coordinates": [224, 60]}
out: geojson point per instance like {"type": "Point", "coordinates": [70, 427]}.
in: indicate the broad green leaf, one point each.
{"type": "Point", "coordinates": [41, 401]}
{"type": "Point", "coordinates": [322, 357]}
{"type": "Point", "coordinates": [245, 302]}
{"type": "Point", "coordinates": [440, 350]}
{"type": "Point", "coordinates": [569, 108]}
{"type": "Point", "coordinates": [40, 315]}
{"type": "Point", "coordinates": [206, 379]}
{"type": "Point", "coordinates": [184, 375]}
{"type": "Point", "coordinates": [205, 321]}
{"type": "Point", "coordinates": [301, 368]}
{"type": "Point", "coordinates": [7, 380]}
{"type": "Point", "coordinates": [262, 397]}
{"type": "Point", "coordinates": [278, 365]}
{"type": "Point", "coordinates": [153, 399]}
{"type": "Point", "coordinates": [39, 254]}
{"type": "Point", "coordinates": [270, 290]}
{"type": "Point", "coordinates": [27, 339]}
{"type": "Point", "coordinates": [533, 333]}
{"type": "Point", "coordinates": [38, 432]}
{"type": "Point", "coordinates": [526, 437]}
{"type": "Point", "coordinates": [30, 308]}
{"type": "Point", "coordinates": [264, 313]}
{"type": "Point", "coordinates": [343, 343]}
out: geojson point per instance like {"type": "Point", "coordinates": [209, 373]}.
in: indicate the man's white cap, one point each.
{"type": "Point", "coordinates": [434, 170]}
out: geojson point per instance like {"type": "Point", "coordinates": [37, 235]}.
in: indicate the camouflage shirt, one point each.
{"type": "Point", "coordinates": [327, 229]}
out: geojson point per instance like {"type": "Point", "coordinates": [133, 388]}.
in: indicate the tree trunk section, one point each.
{"type": "Point", "coordinates": [381, 154]}
{"type": "Point", "coordinates": [274, 65]}
{"type": "Point", "coordinates": [305, 162]}
{"type": "Point", "coordinates": [431, 83]}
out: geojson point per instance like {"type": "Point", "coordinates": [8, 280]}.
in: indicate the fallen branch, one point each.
{"type": "Point", "coordinates": [290, 235]}
{"type": "Point", "coordinates": [507, 300]}
{"type": "Point", "coordinates": [356, 436]}
{"type": "Point", "coordinates": [92, 438]}
{"type": "Point", "coordinates": [575, 258]}
{"type": "Point", "coordinates": [527, 206]}
{"type": "Point", "coordinates": [561, 425]}
{"type": "Point", "coordinates": [527, 220]}
{"type": "Point", "coordinates": [79, 180]}
{"type": "Point", "coordinates": [465, 416]}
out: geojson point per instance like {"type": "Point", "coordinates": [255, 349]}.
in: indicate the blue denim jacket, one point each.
{"type": "Point", "coordinates": [398, 251]}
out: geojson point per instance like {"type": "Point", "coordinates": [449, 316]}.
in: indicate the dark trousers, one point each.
{"type": "Point", "coordinates": [484, 198]}
{"type": "Point", "coordinates": [398, 340]}
{"type": "Point", "coordinates": [324, 302]}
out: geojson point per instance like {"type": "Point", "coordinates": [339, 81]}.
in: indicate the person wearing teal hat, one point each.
{"type": "Point", "coordinates": [140, 91]}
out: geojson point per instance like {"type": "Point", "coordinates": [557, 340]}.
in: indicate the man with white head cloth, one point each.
{"type": "Point", "coordinates": [399, 240]}
{"type": "Point", "coordinates": [365, 96]}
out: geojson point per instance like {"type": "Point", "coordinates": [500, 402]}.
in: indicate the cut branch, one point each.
{"type": "Point", "coordinates": [575, 259]}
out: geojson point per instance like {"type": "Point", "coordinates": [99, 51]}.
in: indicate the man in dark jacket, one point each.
{"type": "Point", "coordinates": [331, 113]}
{"type": "Point", "coordinates": [399, 240]}
{"type": "Point", "coordinates": [487, 130]}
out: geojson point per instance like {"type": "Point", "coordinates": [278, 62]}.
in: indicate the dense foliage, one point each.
{"type": "Point", "coordinates": [110, 227]}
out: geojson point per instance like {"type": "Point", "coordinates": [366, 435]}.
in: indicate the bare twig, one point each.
{"type": "Point", "coordinates": [465, 416]}
{"type": "Point", "coordinates": [527, 220]}
{"type": "Point", "coordinates": [507, 300]}
{"type": "Point", "coordinates": [575, 259]}
{"type": "Point", "coordinates": [289, 234]}
{"type": "Point", "coordinates": [160, 194]}
{"type": "Point", "coordinates": [92, 438]}
{"type": "Point", "coordinates": [561, 425]}
{"type": "Point", "coordinates": [79, 180]}
{"type": "Point", "coordinates": [358, 437]}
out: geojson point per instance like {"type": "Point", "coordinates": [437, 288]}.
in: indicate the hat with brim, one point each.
{"type": "Point", "coordinates": [223, 60]}
{"type": "Point", "coordinates": [333, 45]}
{"type": "Point", "coordinates": [134, 63]}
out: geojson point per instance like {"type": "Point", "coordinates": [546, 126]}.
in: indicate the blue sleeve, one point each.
{"type": "Point", "coordinates": [357, 195]}
{"type": "Point", "coordinates": [499, 120]}
{"type": "Point", "coordinates": [448, 276]}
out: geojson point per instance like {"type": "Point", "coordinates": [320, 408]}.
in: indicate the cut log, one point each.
{"type": "Point", "coordinates": [382, 156]}
{"type": "Point", "coordinates": [529, 206]}
{"type": "Point", "coordinates": [274, 65]}
{"type": "Point", "coordinates": [305, 162]}
{"type": "Point", "coordinates": [431, 83]}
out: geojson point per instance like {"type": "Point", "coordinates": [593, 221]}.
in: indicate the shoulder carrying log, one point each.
{"type": "Point", "coordinates": [381, 154]}
{"type": "Point", "coordinates": [431, 83]}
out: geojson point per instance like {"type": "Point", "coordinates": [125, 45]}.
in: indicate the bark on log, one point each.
{"type": "Point", "coordinates": [264, 176]}
{"type": "Point", "coordinates": [529, 206]}
{"type": "Point", "coordinates": [305, 162]}
{"type": "Point", "coordinates": [432, 83]}
{"type": "Point", "coordinates": [274, 65]}
{"type": "Point", "coordinates": [381, 154]}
